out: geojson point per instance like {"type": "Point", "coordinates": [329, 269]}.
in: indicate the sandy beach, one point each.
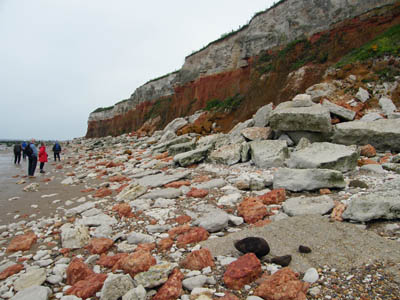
{"type": "Point", "coordinates": [16, 204]}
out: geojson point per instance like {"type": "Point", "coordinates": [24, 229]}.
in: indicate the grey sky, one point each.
{"type": "Point", "coordinates": [61, 59]}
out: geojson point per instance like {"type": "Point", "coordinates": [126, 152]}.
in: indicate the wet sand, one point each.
{"type": "Point", "coordinates": [21, 209]}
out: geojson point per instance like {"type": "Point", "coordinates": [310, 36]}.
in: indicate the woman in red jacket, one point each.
{"type": "Point", "coordinates": [42, 156]}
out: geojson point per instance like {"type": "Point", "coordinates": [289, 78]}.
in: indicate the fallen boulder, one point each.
{"type": "Point", "coordinates": [313, 118]}
{"type": "Point", "coordinates": [382, 134]}
{"type": "Point", "coordinates": [189, 158]}
{"type": "Point", "coordinates": [325, 156]}
{"type": "Point", "coordinates": [227, 155]}
{"type": "Point", "coordinates": [298, 206]}
{"type": "Point", "coordinates": [268, 153]}
{"type": "Point", "coordinates": [297, 180]}
{"type": "Point", "coordinates": [373, 206]}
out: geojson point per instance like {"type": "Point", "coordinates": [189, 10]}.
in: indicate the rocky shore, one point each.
{"type": "Point", "coordinates": [137, 217]}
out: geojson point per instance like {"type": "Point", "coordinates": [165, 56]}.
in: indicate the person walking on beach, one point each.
{"type": "Point", "coordinates": [56, 150]}
{"type": "Point", "coordinates": [24, 144]}
{"type": "Point", "coordinates": [17, 153]}
{"type": "Point", "coordinates": [32, 153]}
{"type": "Point", "coordinates": [42, 157]}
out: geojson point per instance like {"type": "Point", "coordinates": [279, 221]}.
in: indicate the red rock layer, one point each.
{"type": "Point", "coordinates": [258, 89]}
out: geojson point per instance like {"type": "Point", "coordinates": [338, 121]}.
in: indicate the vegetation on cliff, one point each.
{"type": "Point", "coordinates": [275, 75]}
{"type": "Point", "coordinates": [229, 104]}
{"type": "Point", "coordinates": [387, 43]}
{"type": "Point", "coordinates": [101, 109]}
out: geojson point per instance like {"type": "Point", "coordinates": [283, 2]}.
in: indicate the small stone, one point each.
{"type": "Point", "coordinates": [242, 271]}
{"type": "Point", "coordinates": [304, 249]}
{"type": "Point", "coordinates": [30, 278]}
{"type": "Point", "coordinates": [311, 275]}
{"type": "Point", "coordinates": [116, 286]}
{"type": "Point", "coordinates": [198, 260]}
{"type": "Point", "coordinates": [283, 261]}
{"type": "Point", "coordinates": [256, 245]}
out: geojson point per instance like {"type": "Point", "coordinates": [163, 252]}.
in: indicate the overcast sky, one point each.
{"type": "Point", "coordinates": [61, 59]}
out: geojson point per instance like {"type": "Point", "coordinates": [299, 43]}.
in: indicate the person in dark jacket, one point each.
{"type": "Point", "coordinates": [17, 153]}
{"type": "Point", "coordinates": [57, 151]}
{"type": "Point", "coordinates": [32, 154]}
{"type": "Point", "coordinates": [24, 144]}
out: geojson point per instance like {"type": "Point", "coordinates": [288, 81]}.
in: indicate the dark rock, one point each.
{"type": "Point", "coordinates": [283, 261]}
{"type": "Point", "coordinates": [304, 249]}
{"type": "Point", "coordinates": [358, 184]}
{"type": "Point", "coordinates": [255, 245]}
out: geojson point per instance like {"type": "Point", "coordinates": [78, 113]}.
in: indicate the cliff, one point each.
{"type": "Point", "coordinates": [279, 53]}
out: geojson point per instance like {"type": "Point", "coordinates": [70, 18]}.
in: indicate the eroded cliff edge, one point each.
{"type": "Point", "coordinates": [280, 53]}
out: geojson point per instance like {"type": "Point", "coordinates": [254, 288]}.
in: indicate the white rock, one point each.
{"type": "Point", "coordinates": [74, 236]}
{"type": "Point", "coordinates": [362, 95]}
{"type": "Point", "coordinates": [30, 278]}
{"type": "Point", "coordinates": [311, 275]}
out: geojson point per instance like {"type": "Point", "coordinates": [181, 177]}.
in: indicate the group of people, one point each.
{"type": "Point", "coordinates": [28, 149]}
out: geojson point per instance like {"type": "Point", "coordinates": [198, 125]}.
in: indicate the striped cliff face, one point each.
{"type": "Point", "coordinates": [253, 63]}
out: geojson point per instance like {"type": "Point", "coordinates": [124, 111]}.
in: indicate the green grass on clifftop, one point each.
{"type": "Point", "coordinates": [388, 43]}
{"type": "Point", "coordinates": [100, 109]}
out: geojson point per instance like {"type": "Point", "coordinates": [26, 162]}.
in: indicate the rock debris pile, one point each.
{"type": "Point", "coordinates": [159, 216]}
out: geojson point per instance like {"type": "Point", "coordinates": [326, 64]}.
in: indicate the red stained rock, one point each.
{"type": "Point", "coordinates": [11, 270]}
{"type": "Point", "coordinates": [385, 159]}
{"type": "Point", "coordinates": [65, 251]}
{"type": "Point", "coordinates": [87, 190]}
{"type": "Point", "coordinates": [88, 287]}
{"type": "Point", "coordinates": [261, 223]}
{"type": "Point", "coordinates": [112, 165]}
{"type": "Point", "coordinates": [252, 210]}
{"type": "Point", "coordinates": [283, 285]}
{"type": "Point", "coordinates": [338, 211]}
{"type": "Point", "coordinates": [147, 247]}
{"type": "Point", "coordinates": [368, 151]}
{"type": "Point", "coordinates": [177, 184]}
{"type": "Point", "coordinates": [138, 261]}
{"type": "Point", "coordinates": [162, 155]}
{"type": "Point", "coordinates": [165, 244]}
{"type": "Point", "coordinates": [198, 260]}
{"type": "Point", "coordinates": [174, 232]}
{"type": "Point", "coordinates": [123, 210]}
{"type": "Point", "coordinates": [325, 191]}
{"type": "Point", "coordinates": [118, 190]}
{"type": "Point", "coordinates": [194, 235]}
{"type": "Point", "coordinates": [200, 179]}
{"type": "Point", "coordinates": [103, 192]}
{"type": "Point", "coordinates": [118, 178]}
{"type": "Point", "coordinates": [59, 167]}
{"type": "Point", "coordinates": [110, 261]}
{"type": "Point", "coordinates": [244, 270]}
{"type": "Point", "coordinates": [257, 133]}
{"type": "Point", "coordinates": [77, 271]}
{"type": "Point", "coordinates": [366, 161]}
{"type": "Point", "coordinates": [100, 245]}
{"type": "Point", "coordinates": [273, 197]}
{"type": "Point", "coordinates": [172, 289]}
{"type": "Point", "coordinates": [197, 193]}
{"type": "Point", "coordinates": [22, 242]}
{"type": "Point", "coordinates": [183, 219]}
